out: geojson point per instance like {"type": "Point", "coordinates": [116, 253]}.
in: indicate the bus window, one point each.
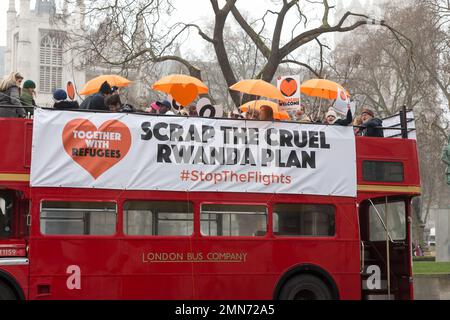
{"type": "Point", "coordinates": [396, 221]}
{"type": "Point", "coordinates": [78, 218]}
{"type": "Point", "coordinates": [5, 216]}
{"type": "Point", "coordinates": [311, 220]}
{"type": "Point", "coordinates": [233, 220]}
{"type": "Point", "coordinates": [158, 218]}
{"type": "Point", "coordinates": [382, 171]}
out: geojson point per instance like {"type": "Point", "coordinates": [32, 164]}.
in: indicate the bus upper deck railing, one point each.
{"type": "Point", "coordinates": [405, 125]}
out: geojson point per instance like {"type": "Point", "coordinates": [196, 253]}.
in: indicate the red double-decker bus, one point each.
{"type": "Point", "coordinates": [63, 241]}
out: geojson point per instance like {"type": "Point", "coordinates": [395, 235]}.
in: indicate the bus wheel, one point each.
{"type": "Point", "coordinates": [6, 293]}
{"type": "Point", "coordinates": [305, 287]}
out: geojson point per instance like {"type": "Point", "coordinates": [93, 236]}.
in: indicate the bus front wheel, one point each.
{"type": "Point", "coordinates": [6, 293]}
{"type": "Point", "coordinates": [305, 287]}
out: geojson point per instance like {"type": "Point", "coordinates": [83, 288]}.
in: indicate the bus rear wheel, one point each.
{"type": "Point", "coordinates": [305, 287]}
{"type": "Point", "coordinates": [6, 293]}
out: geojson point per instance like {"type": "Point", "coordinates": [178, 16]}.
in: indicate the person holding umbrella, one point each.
{"type": "Point", "coordinates": [97, 101]}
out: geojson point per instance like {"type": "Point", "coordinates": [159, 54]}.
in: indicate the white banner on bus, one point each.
{"type": "Point", "coordinates": [139, 152]}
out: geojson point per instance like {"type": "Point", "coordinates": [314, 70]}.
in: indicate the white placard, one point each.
{"type": "Point", "coordinates": [290, 88]}
{"type": "Point", "coordinates": [343, 103]}
{"type": "Point", "coordinates": [140, 152]}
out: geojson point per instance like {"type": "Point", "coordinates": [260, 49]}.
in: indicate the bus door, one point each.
{"type": "Point", "coordinates": [385, 249]}
{"type": "Point", "coordinates": [13, 224]}
{"type": "Point", "coordinates": [14, 264]}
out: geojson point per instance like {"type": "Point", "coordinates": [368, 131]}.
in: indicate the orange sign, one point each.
{"type": "Point", "coordinates": [288, 87]}
{"type": "Point", "coordinates": [184, 94]}
{"type": "Point", "coordinates": [96, 150]}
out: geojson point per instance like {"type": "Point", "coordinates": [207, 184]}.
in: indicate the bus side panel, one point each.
{"type": "Point", "coordinates": [70, 268]}
{"type": "Point", "coordinates": [156, 268]}
{"type": "Point", "coordinates": [266, 262]}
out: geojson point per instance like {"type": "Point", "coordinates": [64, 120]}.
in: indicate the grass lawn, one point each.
{"type": "Point", "coordinates": [429, 267]}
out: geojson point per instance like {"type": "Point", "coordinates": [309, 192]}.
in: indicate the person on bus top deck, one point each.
{"type": "Point", "coordinates": [193, 110]}
{"type": "Point", "coordinates": [266, 113]}
{"type": "Point", "coordinates": [61, 102]}
{"type": "Point", "coordinates": [301, 116]}
{"type": "Point", "coordinates": [113, 103]}
{"type": "Point", "coordinates": [10, 96]}
{"type": "Point", "coordinates": [165, 107]}
{"type": "Point", "coordinates": [27, 96]}
{"type": "Point", "coordinates": [331, 117]}
{"type": "Point", "coordinates": [371, 125]}
{"type": "Point", "coordinates": [356, 123]}
{"type": "Point", "coordinates": [97, 101]}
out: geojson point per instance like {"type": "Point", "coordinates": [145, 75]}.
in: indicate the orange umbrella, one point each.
{"type": "Point", "coordinates": [93, 86]}
{"type": "Point", "coordinates": [184, 89]}
{"type": "Point", "coordinates": [256, 105]}
{"type": "Point", "coordinates": [321, 88]}
{"type": "Point", "coordinates": [281, 115]}
{"type": "Point", "coordinates": [258, 88]}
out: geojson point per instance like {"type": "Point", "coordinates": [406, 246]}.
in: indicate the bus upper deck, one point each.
{"type": "Point", "coordinates": [383, 164]}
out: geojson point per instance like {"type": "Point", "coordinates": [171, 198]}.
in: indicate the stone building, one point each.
{"type": "Point", "coordinates": [2, 59]}
{"type": "Point", "coordinates": [37, 45]}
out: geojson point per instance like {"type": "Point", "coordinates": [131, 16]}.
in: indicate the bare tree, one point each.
{"type": "Point", "coordinates": [134, 32]}
{"type": "Point", "coordinates": [383, 73]}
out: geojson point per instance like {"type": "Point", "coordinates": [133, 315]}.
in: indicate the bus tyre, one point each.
{"type": "Point", "coordinates": [6, 293]}
{"type": "Point", "coordinates": [305, 287]}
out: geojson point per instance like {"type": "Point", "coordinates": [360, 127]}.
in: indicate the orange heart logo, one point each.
{"type": "Point", "coordinates": [184, 94]}
{"type": "Point", "coordinates": [96, 150]}
{"type": "Point", "coordinates": [288, 87]}
{"type": "Point", "coordinates": [343, 96]}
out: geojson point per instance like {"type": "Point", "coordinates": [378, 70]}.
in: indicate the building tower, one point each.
{"type": "Point", "coordinates": [36, 47]}
{"type": "Point", "coordinates": [21, 39]}
{"type": "Point", "coordinates": [10, 17]}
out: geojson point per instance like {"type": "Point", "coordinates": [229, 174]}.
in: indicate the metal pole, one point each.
{"type": "Point", "coordinates": [404, 123]}
{"type": "Point", "coordinates": [388, 263]}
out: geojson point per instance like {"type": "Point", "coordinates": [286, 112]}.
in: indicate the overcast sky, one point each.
{"type": "Point", "coordinates": [186, 11]}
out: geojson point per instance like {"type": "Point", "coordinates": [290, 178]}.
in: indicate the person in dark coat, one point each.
{"type": "Point", "coordinates": [27, 96]}
{"type": "Point", "coordinates": [97, 101]}
{"type": "Point", "coordinates": [61, 103]}
{"type": "Point", "coordinates": [113, 103]}
{"type": "Point", "coordinates": [331, 117]}
{"type": "Point", "coordinates": [371, 126]}
{"type": "Point", "coordinates": [10, 105]}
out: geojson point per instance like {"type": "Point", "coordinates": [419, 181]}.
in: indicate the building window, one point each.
{"type": "Point", "coordinates": [158, 218]}
{"type": "Point", "coordinates": [78, 218]}
{"type": "Point", "coordinates": [307, 220]}
{"type": "Point", "coordinates": [233, 220]}
{"type": "Point", "coordinates": [51, 61]}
